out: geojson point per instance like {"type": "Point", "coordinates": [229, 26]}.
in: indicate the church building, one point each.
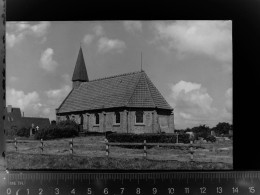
{"type": "Point", "coordinates": [125, 103]}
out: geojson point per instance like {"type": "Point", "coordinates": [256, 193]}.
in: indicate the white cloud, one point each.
{"type": "Point", "coordinates": [212, 38]}
{"type": "Point", "coordinates": [55, 98]}
{"type": "Point", "coordinates": [46, 111]}
{"type": "Point", "coordinates": [12, 39]}
{"type": "Point", "coordinates": [228, 103]}
{"type": "Point", "coordinates": [192, 103]}
{"type": "Point", "coordinates": [57, 95]}
{"type": "Point", "coordinates": [29, 103]}
{"type": "Point", "coordinates": [133, 26]}
{"type": "Point", "coordinates": [106, 45]}
{"type": "Point", "coordinates": [98, 30]}
{"type": "Point", "coordinates": [46, 61]}
{"type": "Point", "coordinates": [88, 38]}
{"type": "Point", "coordinates": [17, 31]}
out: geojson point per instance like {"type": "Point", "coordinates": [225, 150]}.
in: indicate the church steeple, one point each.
{"type": "Point", "coordinates": [80, 72]}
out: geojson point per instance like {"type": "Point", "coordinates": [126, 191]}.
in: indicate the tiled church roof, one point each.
{"type": "Point", "coordinates": [126, 90]}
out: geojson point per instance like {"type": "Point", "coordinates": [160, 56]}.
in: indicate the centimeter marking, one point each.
{"type": "Point", "coordinates": [31, 175]}
{"type": "Point", "coordinates": [124, 183]}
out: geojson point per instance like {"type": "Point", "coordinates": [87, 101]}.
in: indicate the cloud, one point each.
{"type": "Point", "coordinates": [55, 98]}
{"type": "Point", "coordinates": [88, 38]}
{"type": "Point", "coordinates": [107, 45]}
{"type": "Point", "coordinates": [98, 30]}
{"type": "Point", "coordinates": [212, 38]}
{"type": "Point", "coordinates": [57, 95]}
{"type": "Point", "coordinates": [46, 61]}
{"type": "Point", "coordinates": [228, 103]}
{"type": "Point", "coordinates": [192, 103]}
{"type": "Point", "coordinates": [12, 39]}
{"type": "Point", "coordinates": [133, 26]}
{"type": "Point", "coordinates": [29, 103]}
{"type": "Point", "coordinates": [104, 44]}
{"type": "Point", "coordinates": [17, 31]}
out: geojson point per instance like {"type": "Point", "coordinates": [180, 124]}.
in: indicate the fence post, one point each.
{"type": "Point", "coordinates": [15, 144]}
{"type": "Point", "coordinates": [107, 148]}
{"type": "Point", "coordinates": [177, 139]}
{"type": "Point", "coordinates": [191, 150]}
{"type": "Point", "coordinates": [41, 145]}
{"type": "Point", "coordinates": [145, 152]}
{"type": "Point", "coordinates": [71, 146]}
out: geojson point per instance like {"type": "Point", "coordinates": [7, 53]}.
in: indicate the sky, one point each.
{"type": "Point", "coordinates": [190, 63]}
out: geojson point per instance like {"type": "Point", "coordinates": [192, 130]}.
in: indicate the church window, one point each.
{"type": "Point", "coordinates": [97, 119]}
{"type": "Point", "coordinates": [139, 117]}
{"type": "Point", "coordinates": [117, 118]}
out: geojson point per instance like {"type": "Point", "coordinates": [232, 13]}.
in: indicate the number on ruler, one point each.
{"type": "Point", "coordinates": [187, 190]}
{"type": "Point", "coordinates": [203, 190]}
{"type": "Point", "coordinates": [122, 190]}
{"type": "Point", "coordinates": [154, 190]}
{"type": "Point", "coordinates": [138, 191]}
{"type": "Point", "coordinates": [251, 190]}
{"type": "Point", "coordinates": [73, 191]}
{"type": "Point", "coordinates": [105, 191]}
{"type": "Point", "coordinates": [40, 191]}
{"type": "Point", "coordinates": [235, 190]}
{"type": "Point", "coordinates": [219, 190]}
{"type": "Point", "coordinates": [8, 191]}
{"type": "Point", "coordinates": [171, 190]}
{"type": "Point", "coordinates": [89, 191]}
{"type": "Point", "coordinates": [57, 191]}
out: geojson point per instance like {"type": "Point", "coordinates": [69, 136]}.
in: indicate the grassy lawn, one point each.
{"type": "Point", "coordinates": [89, 153]}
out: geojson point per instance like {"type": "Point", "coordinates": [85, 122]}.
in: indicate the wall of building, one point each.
{"type": "Point", "coordinates": [153, 122]}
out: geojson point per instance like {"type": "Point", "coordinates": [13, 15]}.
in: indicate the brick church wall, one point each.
{"type": "Point", "coordinates": [153, 122]}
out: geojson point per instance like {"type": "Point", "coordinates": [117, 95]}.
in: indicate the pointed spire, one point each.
{"type": "Point", "coordinates": [80, 71]}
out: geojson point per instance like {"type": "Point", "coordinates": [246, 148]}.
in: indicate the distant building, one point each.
{"type": "Point", "coordinates": [126, 103]}
{"type": "Point", "coordinates": [15, 120]}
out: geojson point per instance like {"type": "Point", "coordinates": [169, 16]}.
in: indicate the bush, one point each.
{"type": "Point", "coordinates": [150, 138]}
{"type": "Point", "coordinates": [107, 133]}
{"type": "Point", "coordinates": [210, 138]}
{"type": "Point", "coordinates": [64, 129]}
{"type": "Point", "coordinates": [201, 131]}
{"type": "Point", "coordinates": [23, 132]}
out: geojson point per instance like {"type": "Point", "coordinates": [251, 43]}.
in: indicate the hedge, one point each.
{"type": "Point", "coordinates": [64, 129]}
{"type": "Point", "coordinates": [150, 138]}
{"type": "Point", "coordinates": [23, 132]}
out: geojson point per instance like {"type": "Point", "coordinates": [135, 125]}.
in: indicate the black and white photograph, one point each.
{"type": "Point", "coordinates": [119, 94]}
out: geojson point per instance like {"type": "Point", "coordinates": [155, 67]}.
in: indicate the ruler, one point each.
{"type": "Point", "coordinates": [132, 183]}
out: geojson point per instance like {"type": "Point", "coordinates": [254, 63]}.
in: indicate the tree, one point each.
{"type": "Point", "coordinates": [201, 131]}
{"type": "Point", "coordinates": [222, 128]}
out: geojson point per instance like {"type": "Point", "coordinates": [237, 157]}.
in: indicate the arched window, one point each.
{"type": "Point", "coordinates": [139, 117]}
{"type": "Point", "coordinates": [117, 118]}
{"type": "Point", "coordinates": [97, 119]}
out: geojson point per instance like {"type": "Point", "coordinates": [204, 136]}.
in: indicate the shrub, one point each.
{"type": "Point", "coordinates": [108, 133]}
{"type": "Point", "coordinates": [64, 129]}
{"type": "Point", "coordinates": [201, 131]}
{"type": "Point", "coordinates": [23, 132]}
{"type": "Point", "coordinates": [210, 138]}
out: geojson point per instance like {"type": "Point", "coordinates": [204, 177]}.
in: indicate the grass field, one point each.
{"type": "Point", "coordinates": [89, 153]}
